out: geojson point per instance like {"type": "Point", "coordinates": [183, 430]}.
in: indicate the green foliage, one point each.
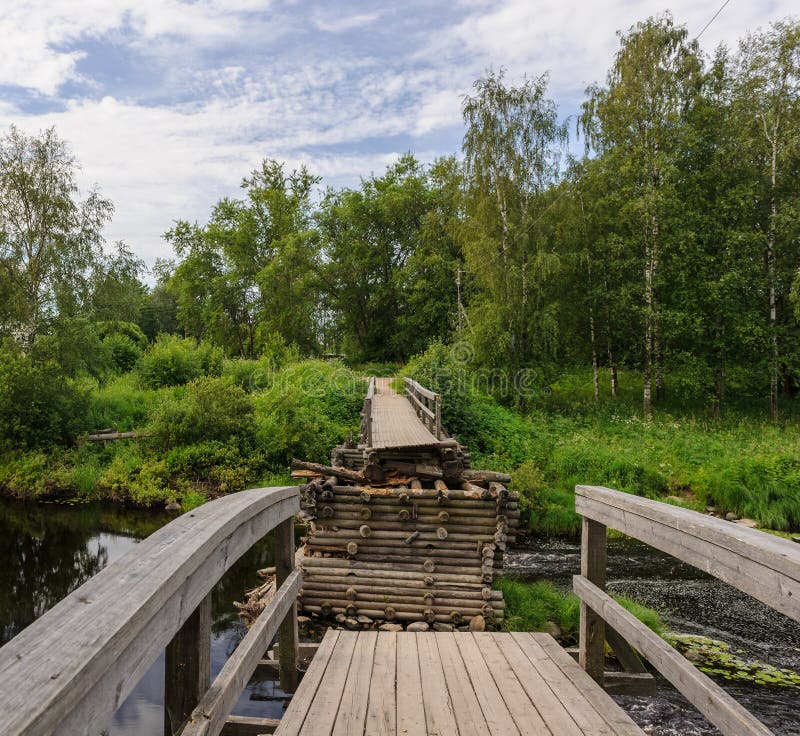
{"type": "Point", "coordinates": [123, 353]}
{"type": "Point", "coordinates": [305, 412]}
{"type": "Point", "coordinates": [174, 361]}
{"type": "Point", "coordinates": [39, 405]}
{"type": "Point", "coordinates": [206, 409]}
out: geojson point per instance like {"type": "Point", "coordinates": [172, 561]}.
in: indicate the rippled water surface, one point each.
{"type": "Point", "coordinates": [691, 602]}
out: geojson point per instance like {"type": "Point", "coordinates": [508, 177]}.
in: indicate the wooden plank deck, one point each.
{"type": "Point", "coordinates": [394, 421]}
{"type": "Point", "coordinates": [449, 684]}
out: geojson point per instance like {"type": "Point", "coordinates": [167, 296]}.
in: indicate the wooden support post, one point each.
{"type": "Point", "coordinates": [592, 627]}
{"type": "Point", "coordinates": [289, 654]}
{"type": "Point", "coordinates": [438, 402]}
{"type": "Point", "coordinates": [187, 672]}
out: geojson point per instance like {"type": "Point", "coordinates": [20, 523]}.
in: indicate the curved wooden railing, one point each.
{"type": "Point", "coordinates": [759, 564]}
{"type": "Point", "coordinates": [69, 671]}
{"type": "Point", "coordinates": [427, 404]}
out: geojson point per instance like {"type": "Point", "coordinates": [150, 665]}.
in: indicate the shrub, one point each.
{"type": "Point", "coordinates": [127, 329]}
{"type": "Point", "coordinates": [170, 361]}
{"type": "Point", "coordinates": [207, 409]}
{"type": "Point", "coordinates": [123, 353]}
{"type": "Point", "coordinates": [39, 405]}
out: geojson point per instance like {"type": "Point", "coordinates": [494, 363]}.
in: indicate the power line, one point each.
{"type": "Point", "coordinates": [713, 18]}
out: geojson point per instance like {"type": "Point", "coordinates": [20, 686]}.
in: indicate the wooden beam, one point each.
{"type": "Point", "coordinates": [289, 656]}
{"type": "Point", "coordinates": [187, 669]}
{"type": "Point", "coordinates": [708, 697]}
{"type": "Point", "coordinates": [215, 707]}
{"type": "Point", "coordinates": [759, 564]}
{"type": "Point", "coordinates": [248, 726]}
{"type": "Point", "coordinates": [592, 635]}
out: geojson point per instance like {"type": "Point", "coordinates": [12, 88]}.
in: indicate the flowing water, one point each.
{"type": "Point", "coordinates": [46, 551]}
{"type": "Point", "coordinates": [690, 602]}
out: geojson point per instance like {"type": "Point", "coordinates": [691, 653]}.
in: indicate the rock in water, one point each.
{"type": "Point", "coordinates": [478, 623]}
{"type": "Point", "coordinates": [438, 626]}
{"type": "Point", "coordinates": [173, 506]}
{"type": "Point", "coordinates": [417, 626]}
{"type": "Point", "coordinates": [749, 523]}
{"type": "Point", "coordinates": [390, 627]}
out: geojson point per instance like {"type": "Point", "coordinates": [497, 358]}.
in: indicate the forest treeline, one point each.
{"type": "Point", "coordinates": [671, 247]}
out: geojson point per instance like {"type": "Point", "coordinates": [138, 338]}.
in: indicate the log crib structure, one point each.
{"type": "Point", "coordinates": [402, 530]}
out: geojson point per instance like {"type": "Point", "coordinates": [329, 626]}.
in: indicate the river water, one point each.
{"type": "Point", "coordinates": [46, 551]}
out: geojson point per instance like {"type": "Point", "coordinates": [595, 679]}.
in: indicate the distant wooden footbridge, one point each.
{"type": "Point", "coordinates": [70, 670]}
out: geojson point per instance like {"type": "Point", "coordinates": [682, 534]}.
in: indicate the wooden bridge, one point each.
{"type": "Point", "coordinates": [70, 670]}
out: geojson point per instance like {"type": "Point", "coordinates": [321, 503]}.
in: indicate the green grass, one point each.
{"type": "Point", "coordinates": [537, 605]}
{"type": "Point", "coordinates": [742, 463]}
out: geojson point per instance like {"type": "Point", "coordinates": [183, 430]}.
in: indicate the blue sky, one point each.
{"type": "Point", "coordinates": [168, 104]}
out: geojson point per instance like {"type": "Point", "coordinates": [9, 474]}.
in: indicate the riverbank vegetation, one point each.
{"type": "Point", "coordinates": [628, 317]}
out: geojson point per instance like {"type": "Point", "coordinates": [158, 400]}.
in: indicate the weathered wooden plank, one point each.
{"type": "Point", "coordinates": [583, 713]}
{"type": "Point", "coordinates": [296, 713]}
{"type": "Point", "coordinates": [771, 551]}
{"type": "Point", "coordinates": [519, 705]}
{"type": "Point", "coordinates": [621, 723]}
{"type": "Point", "coordinates": [382, 705]}
{"type": "Point", "coordinates": [491, 701]}
{"type": "Point", "coordinates": [757, 578]}
{"type": "Point", "coordinates": [467, 709]}
{"type": "Point", "coordinates": [289, 654]}
{"type": "Point", "coordinates": [439, 714]}
{"type": "Point", "coordinates": [69, 671]}
{"type": "Point", "coordinates": [322, 713]}
{"type": "Point", "coordinates": [352, 714]}
{"type": "Point", "coordinates": [249, 726]}
{"type": "Point", "coordinates": [410, 714]}
{"type": "Point", "coordinates": [592, 635]}
{"type": "Point", "coordinates": [552, 711]}
{"type": "Point", "coordinates": [216, 705]}
{"type": "Point", "coordinates": [187, 668]}
{"type": "Point", "coordinates": [708, 697]}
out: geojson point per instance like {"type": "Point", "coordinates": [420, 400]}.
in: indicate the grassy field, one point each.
{"type": "Point", "coordinates": [741, 463]}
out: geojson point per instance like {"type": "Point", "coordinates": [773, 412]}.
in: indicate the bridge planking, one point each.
{"type": "Point", "coordinates": [419, 684]}
{"type": "Point", "coordinates": [395, 424]}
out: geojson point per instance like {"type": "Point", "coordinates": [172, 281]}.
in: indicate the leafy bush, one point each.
{"type": "Point", "coordinates": [123, 353]}
{"type": "Point", "coordinates": [170, 361]}
{"type": "Point", "coordinates": [207, 409]}
{"type": "Point", "coordinates": [39, 405]}
{"type": "Point", "coordinates": [127, 329]}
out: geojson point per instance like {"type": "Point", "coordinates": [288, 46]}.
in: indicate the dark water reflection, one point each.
{"type": "Point", "coordinates": [46, 551]}
{"type": "Point", "coordinates": [692, 602]}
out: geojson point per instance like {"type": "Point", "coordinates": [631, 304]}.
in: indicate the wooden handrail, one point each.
{"type": "Point", "coordinates": [763, 566]}
{"type": "Point", "coordinates": [71, 669]}
{"type": "Point", "coordinates": [366, 414]}
{"type": "Point", "coordinates": [427, 404]}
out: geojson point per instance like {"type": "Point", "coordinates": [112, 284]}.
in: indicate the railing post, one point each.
{"type": "Point", "coordinates": [592, 627]}
{"type": "Point", "coordinates": [438, 402]}
{"type": "Point", "coordinates": [288, 650]}
{"type": "Point", "coordinates": [187, 670]}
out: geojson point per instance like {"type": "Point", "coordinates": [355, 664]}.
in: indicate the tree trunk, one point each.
{"type": "Point", "coordinates": [771, 276]}
{"type": "Point", "coordinates": [595, 374]}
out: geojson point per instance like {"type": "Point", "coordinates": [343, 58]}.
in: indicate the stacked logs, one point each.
{"type": "Point", "coordinates": [412, 549]}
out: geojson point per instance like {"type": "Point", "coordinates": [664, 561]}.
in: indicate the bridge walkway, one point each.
{"type": "Point", "coordinates": [449, 684]}
{"type": "Point", "coordinates": [395, 424]}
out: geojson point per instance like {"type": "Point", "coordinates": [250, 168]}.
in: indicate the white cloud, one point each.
{"type": "Point", "coordinates": [333, 22]}
{"type": "Point", "coordinates": [334, 99]}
